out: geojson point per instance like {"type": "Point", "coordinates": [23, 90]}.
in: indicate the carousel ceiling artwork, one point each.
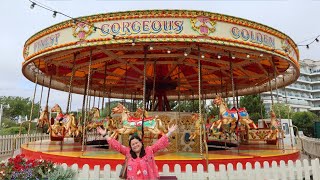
{"type": "Point", "coordinates": [168, 48]}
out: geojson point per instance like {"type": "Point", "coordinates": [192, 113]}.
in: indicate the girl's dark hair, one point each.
{"type": "Point", "coordinates": [133, 154]}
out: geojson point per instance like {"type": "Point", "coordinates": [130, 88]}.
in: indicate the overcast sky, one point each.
{"type": "Point", "coordinates": [299, 19]}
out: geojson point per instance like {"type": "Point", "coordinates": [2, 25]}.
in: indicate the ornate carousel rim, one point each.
{"type": "Point", "coordinates": [187, 14]}
{"type": "Point", "coordinates": [293, 73]}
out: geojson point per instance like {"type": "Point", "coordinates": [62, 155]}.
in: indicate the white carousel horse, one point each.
{"type": "Point", "coordinates": [68, 121]}
{"type": "Point", "coordinates": [131, 124]}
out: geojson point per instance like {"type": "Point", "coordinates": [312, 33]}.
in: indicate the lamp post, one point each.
{"type": "Point", "coordinates": [1, 111]}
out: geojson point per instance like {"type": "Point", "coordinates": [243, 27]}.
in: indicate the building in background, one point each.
{"type": "Point", "coordinates": [304, 94]}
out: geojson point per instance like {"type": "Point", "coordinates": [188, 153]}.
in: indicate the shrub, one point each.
{"type": "Point", "coordinates": [12, 130]}
{"type": "Point", "coordinates": [21, 168]}
{"type": "Point", "coordinates": [8, 123]}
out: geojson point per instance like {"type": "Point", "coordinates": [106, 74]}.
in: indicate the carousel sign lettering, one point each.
{"type": "Point", "coordinates": [46, 42]}
{"type": "Point", "coordinates": [142, 27]}
{"type": "Point", "coordinates": [253, 36]}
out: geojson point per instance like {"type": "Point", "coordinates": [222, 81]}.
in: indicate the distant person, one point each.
{"type": "Point", "coordinates": [140, 161]}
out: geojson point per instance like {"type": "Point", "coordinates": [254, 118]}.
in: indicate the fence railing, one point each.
{"type": "Point", "coordinates": [291, 170]}
{"type": "Point", "coordinates": [7, 144]}
{"type": "Point", "coordinates": [309, 146]}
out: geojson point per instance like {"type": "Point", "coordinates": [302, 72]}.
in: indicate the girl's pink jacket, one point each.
{"type": "Point", "coordinates": [148, 168]}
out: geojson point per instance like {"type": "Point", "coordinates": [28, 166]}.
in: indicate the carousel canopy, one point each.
{"type": "Point", "coordinates": [175, 51]}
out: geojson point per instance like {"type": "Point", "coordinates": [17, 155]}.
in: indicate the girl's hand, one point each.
{"type": "Point", "coordinates": [172, 128]}
{"type": "Point", "coordinates": [101, 131]}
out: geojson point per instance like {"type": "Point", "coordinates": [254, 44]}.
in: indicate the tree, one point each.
{"type": "Point", "coordinates": [187, 106]}
{"type": "Point", "coordinates": [12, 130]}
{"type": "Point", "coordinates": [106, 109]}
{"type": "Point", "coordinates": [304, 121]}
{"type": "Point", "coordinates": [254, 106]}
{"type": "Point", "coordinates": [19, 106]}
{"type": "Point", "coordinates": [208, 110]}
{"type": "Point", "coordinates": [9, 127]}
{"type": "Point", "coordinates": [282, 110]}
{"type": "Point", "coordinates": [6, 123]}
{"type": "Point", "coordinates": [212, 109]}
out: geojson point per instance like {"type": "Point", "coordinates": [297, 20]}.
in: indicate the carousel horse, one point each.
{"type": "Point", "coordinates": [215, 131]}
{"type": "Point", "coordinates": [197, 126]}
{"type": "Point", "coordinates": [231, 115]}
{"type": "Point", "coordinates": [72, 126]}
{"type": "Point", "coordinates": [216, 125]}
{"type": "Point", "coordinates": [275, 127]}
{"type": "Point", "coordinates": [95, 120]}
{"type": "Point", "coordinates": [44, 118]}
{"type": "Point", "coordinates": [56, 130]}
{"type": "Point", "coordinates": [139, 113]}
{"type": "Point", "coordinates": [227, 116]}
{"type": "Point", "coordinates": [111, 125]}
{"type": "Point", "coordinates": [131, 124]}
{"type": "Point", "coordinates": [67, 121]}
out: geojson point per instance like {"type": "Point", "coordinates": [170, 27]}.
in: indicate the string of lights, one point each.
{"type": "Point", "coordinates": [55, 13]}
{"type": "Point", "coordinates": [316, 39]}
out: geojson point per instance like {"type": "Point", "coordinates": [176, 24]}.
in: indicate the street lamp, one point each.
{"type": "Point", "coordinates": [1, 111]}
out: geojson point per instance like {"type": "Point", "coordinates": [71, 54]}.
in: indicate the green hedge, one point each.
{"type": "Point", "coordinates": [12, 130]}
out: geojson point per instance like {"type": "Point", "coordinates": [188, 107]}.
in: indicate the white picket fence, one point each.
{"type": "Point", "coordinates": [7, 141]}
{"type": "Point", "coordinates": [7, 145]}
{"type": "Point", "coordinates": [291, 170]}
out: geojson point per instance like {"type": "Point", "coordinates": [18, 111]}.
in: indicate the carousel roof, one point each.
{"type": "Point", "coordinates": [114, 63]}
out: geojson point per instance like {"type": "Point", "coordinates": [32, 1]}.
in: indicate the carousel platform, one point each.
{"type": "Point", "coordinates": [99, 154]}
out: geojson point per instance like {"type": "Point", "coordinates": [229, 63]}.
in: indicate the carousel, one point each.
{"type": "Point", "coordinates": [154, 59]}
